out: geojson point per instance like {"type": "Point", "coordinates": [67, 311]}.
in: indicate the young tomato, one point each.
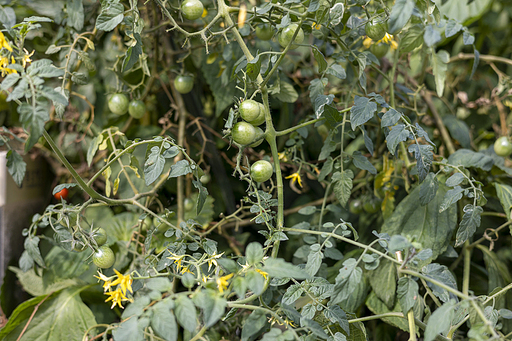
{"type": "Point", "coordinates": [192, 9]}
{"type": "Point", "coordinates": [379, 50]}
{"type": "Point", "coordinates": [264, 32]}
{"type": "Point", "coordinates": [62, 194]}
{"type": "Point", "coordinates": [243, 133]}
{"type": "Point", "coordinates": [184, 84]}
{"type": "Point", "coordinates": [104, 257]}
{"type": "Point", "coordinates": [287, 34]}
{"type": "Point", "coordinates": [100, 236]}
{"type": "Point", "coordinates": [502, 146]}
{"type": "Point", "coordinates": [118, 104]}
{"type": "Point", "coordinates": [355, 206]}
{"type": "Point", "coordinates": [259, 132]}
{"type": "Point", "coordinates": [249, 110]}
{"type": "Point", "coordinates": [376, 30]}
{"type": "Point", "coordinates": [137, 109]}
{"type": "Point", "coordinates": [261, 171]}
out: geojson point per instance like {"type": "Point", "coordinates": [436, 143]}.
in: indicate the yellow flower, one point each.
{"type": "Point", "coordinates": [213, 260]}
{"type": "Point", "coordinates": [185, 269]}
{"type": "Point", "coordinates": [4, 65]}
{"type": "Point", "coordinates": [263, 273]}
{"type": "Point", "coordinates": [116, 297]}
{"type": "Point", "coordinates": [107, 280]}
{"type": "Point", "coordinates": [177, 260]}
{"type": "Point", "coordinates": [316, 26]}
{"type": "Point", "coordinates": [222, 283]}
{"type": "Point", "coordinates": [205, 13]}
{"type": "Point", "coordinates": [26, 58]}
{"type": "Point", "coordinates": [388, 39]}
{"type": "Point", "coordinates": [124, 281]}
{"type": "Point", "coordinates": [295, 177]}
{"type": "Point", "coordinates": [4, 42]}
{"type": "Point", "coordinates": [367, 42]}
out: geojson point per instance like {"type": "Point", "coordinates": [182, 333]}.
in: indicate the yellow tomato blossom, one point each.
{"type": "Point", "coordinates": [213, 260]}
{"type": "Point", "coordinates": [117, 297]}
{"type": "Point", "coordinates": [295, 177]}
{"type": "Point", "coordinates": [177, 260]}
{"type": "Point", "coordinates": [388, 39]}
{"type": "Point", "coordinates": [26, 58]}
{"type": "Point", "coordinates": [124, 281]}
{"type": "Point", "coordinates": [4, 65]}
{"type": "Point", "coordinates": [316, 26]}
{"type": "Point", "coordinates": [107, 280]}
{"type": "Point", "coordinates": [4, 43]}
{"type": "Point", "coordinates": [222, 282]}
{"type": "Point", "coordinates": [205, 13]}
{"type": "Point", "coordinates": [263, 273]}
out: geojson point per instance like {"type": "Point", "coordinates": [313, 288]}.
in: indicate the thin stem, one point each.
{"type": "Point", "coordinates": [467, 268]}
{"type": "Point", "coordinates": [289, 130]}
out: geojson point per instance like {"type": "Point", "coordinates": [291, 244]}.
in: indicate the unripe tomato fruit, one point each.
{"type": "Point", "coordinates": [100, 236]}
{"type": "Point", "coordinates": [104, 257]}
{"type": "Point", "coordinates": [261, 117]}
{"type": "Point", "coordinates": [287, 34]}
{"type": "Point", "coordinates": [379, 50]}
{"type": "Point", "coordinates": [192, 9]}
{"type": "Point", "coordinates": [502, 146]}
{"type": "Point", "coordinates": [78, 246]}
{"type": "Point", "coordinates": [259, 132]}
{"type": "Point", "coordinates": [184, 84]}
{"type": "Point", "coordinates": [249, 110]}
{"type": "Point", "coordinates": [189, 204]}
{"type": "Point", "coordinates": [243, 133]}
{"type": "Point", "coordinates": [355, 206]}
{"type": "Point", "coordinates": [118, 104]}
{"type": "Point", "coordinates": [205, 179]}
{"type": "Point", "coordinates": [376, 30]}
{"type": "Point", "coordinates": [264, 32]}
{"type": "Point", "coordinates": [371, 206]}
{"type": "Point", "coordinates": [137, 109]}
{"type": "Point", "coordinates": [62, 194]}
{"type": "Point", "coordinates": [261, 171]}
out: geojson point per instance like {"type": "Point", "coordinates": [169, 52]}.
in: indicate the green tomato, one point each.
{"type": "Point", "coordinates": [355, 206]}
{"type": "Point", "coordinates": [192, 9]}
{"type": "Point", "coordinates": [261, 171]}
{"type": "Point", "coordinates": [243, 133]}
{"type": "Point", "coordinates": [118, 104]}
{"type": "Point", "coordinates": [261, 117]}
{"type": "Point", "coordinates": [184, 84]}
{"type": "Point", "coordinates": [147, 223]}
{"type": "Point", "coordinates": [502, 146]}
{"type": "Point", "coordinates": [287, 34]}
{"type": "Point", "coordinates": [79, 246]}
{"type": "Point", "coordinates": [205, 179]}
{"type": "Point", "coordinates": [189, 204]}
{"type": "Point", "coordinates": [137, 109]}
{"type": "Point", "coordinates": [379, 50]}
{"type": "Point", "coordinates": [249, 110]}
{"type": "Point", "coordinates": [259, 132]}
{"type": "Point", "coordinates": [376, 30]}
{"type": "Point", "coordinates": [104, 257]}
{"type": "Point", "coordinates": [371, 206]}
{"type": "Point", "coordinates": [100, 236]}
{"type": "Point", "coordinates": [264, 32]}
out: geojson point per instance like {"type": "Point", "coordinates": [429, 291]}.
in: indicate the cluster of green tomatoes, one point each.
{"type": "Point", "coordinates": [120, 105]}
{"type": "Point", "coordinates": [103, 256]}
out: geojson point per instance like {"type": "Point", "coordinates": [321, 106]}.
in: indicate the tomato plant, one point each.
{"type": "Point", "coordinates": [137, 108]}
{"type": "Point", "coordinates": [192, 9]}
{"type": "Point", "coordinates": [249, 110]}
{"type": "Point", "coordinates": [62, 194]}
{"type": "Point", "coordinates": [379, 50]}
{"type": "Point", "coordinates": [243, 133]}
{"type": "Point", "coordinates": [376, 29]}
{"type": "Point", "coordinates": [503, 146]}
{"type": "Point", "coordinates": [287, 34]}
{"type": "Point", "coordinates": [100, 236]}
{"type": "Point", "coordinates": [261, 171]}
{"type": "Point", "coordinates": [264, 32]}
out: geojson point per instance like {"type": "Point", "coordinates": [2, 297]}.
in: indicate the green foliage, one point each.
{"type": "Point", "coordinates": [403, 127]}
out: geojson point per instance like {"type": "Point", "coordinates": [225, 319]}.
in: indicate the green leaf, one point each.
{"type": "Point", "coordinates": [332, 116]}
{"type": "Point", "coordinates": [255, 281]}
{"type": "Point", "coordinates": [130, 330]}
{"type": "Point", "coordinates": [253, 324]}
{"type": "Point", "coordinates": [239, 286]}
{"type": "Point", "coordinates": [505, 195]}
{"type": "Point", "coordinates": [292, 294]}
{"type": "Point", "coordinates": [424, 158]}
{"type": "Point", "coordinates": [376, 306]}
{"type": "Point", "coordinates": [458, 130]}
{"type": "Point", "coordinates": [431, 36]}
{"type": "Point", "coordinates": [53, 95]}
{"type": "Point", "coordinates": [337, 70]}
{"type": "Point", "coordinates": [308, 210]}
{"type": "Point", "coordinates": [7, 16]}
{"type": "Point", "coordinates": [254, 67]}
{"type": "Point", "coordinates": [343, 186]}
{"type": "Point", "coordinates": [133, 53]}
{"type": "Point", "coordinates": [451, 197]}
{"type": "Point", "coordinates": [390, 118]}
{"type": "Point", "coordinates": [320, 59]}
{"type": "Point", "coordinates": [469, 158]}
{"type": "Point", "coordinates": [33, 119]}
{"type": "Point", "coordinates": [93, 148]}
{"type": "Point", "coordinates": [336, 315]}
{"type": "Point", "coordinates": [75, 10]}
{"type": "Point", "coordinates": [362, 111]}
{"type": "Point", "coordinates": [361, 162]}
{"type": "Point", "coordinates": [254, 253]}
{"type": "Point", "coordinates": [440, 321]}
{"type": "Point", "coordinates": [454, 180]}
{"type": "Point", "coordinates": [201, 198]}
{"type": "Point", "coordinates": [287, 94]}
{"type": "Point", "coordinates": [383, 282]}
{"type": "Point", "coordinates": [412, 38]}
{"type": "Point", "coordinates": [440, 67]}
{"type": "Point", "coordinates": [431, 228]}
{"type": "Point", "coordinates": [32, 246]}
{"type": "Point", "coordinates": [154, 166]}
{"type": "Point", "coordinates": [452, 28]}
{"type": "Point", "coordinates": [398, 134]}
{"type": "Point", "coordinates": [469, 223]}
{"type": "Point", "coordinates": [185, 313]}
{"type": "Point", "coordinates": [110, 16]}
{"type": "Point", "coordinates": [428, 189]}
{"type": "Point", "coordinates": [350, 275]}
{"type": "Point", "coordinates": [407, 293]}
{"type": "Point", "coordinates": [213, 306]}
{"type": "Point", "coordinates": [180, 168]}
{"type": "Point", "coordinates": [314, 261]}
{"type": "Point", "coordinates": [36, 286]}
{"type": "Point", "coordinates": [279, 268]}
{"type": "Point", "coordinates": [52, 320]}
{"type": "Point", "coordinates": [400, 15]}
{"type": "Point", "coordinates": [16, 166]}
{"type": "Point", "coordinates": [164, 322]}
{"type": "Point", "coordinates": [10, 80]}
{"type": "Point", "coordinates": [315, 327]}
{"type": "Point", "coordinates": [441, 274]}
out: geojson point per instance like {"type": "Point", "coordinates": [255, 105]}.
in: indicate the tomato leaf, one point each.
{"type": "Point", "coordinates": [400, 15]}
{"type": "Point", "coordinates": [469, 223]}
{"type": "Point", "coordinates": [362, 111]}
